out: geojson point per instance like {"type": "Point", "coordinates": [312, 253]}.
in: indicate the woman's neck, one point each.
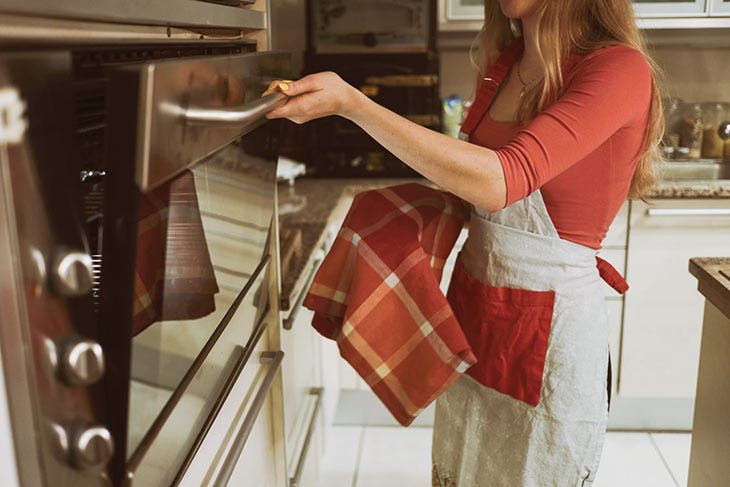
{"type": "Point", "coordinates": [530, 59]}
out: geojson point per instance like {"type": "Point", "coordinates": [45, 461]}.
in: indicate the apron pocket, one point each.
{"type": "Point", "coordinates": [508, 329]}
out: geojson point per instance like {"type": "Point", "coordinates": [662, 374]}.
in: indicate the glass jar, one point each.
{"type": "Point", "coordinates": [672, 117]}
{"type": "Point", "coordinates": [713, 114]}
{"type": "Point", "coordinates": [690, 131]}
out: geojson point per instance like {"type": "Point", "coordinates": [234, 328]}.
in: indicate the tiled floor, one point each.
{"type": "Point", "coordinates": [358, 456]}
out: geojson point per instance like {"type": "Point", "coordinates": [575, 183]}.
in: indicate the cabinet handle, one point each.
{"type": "Point", "coordinates": [243, 356]}
{"type": "Point", "coordinates": [273, 359]}
{"type": "Point", "coordinates": [688, 212]}
{"type": "Point", "coordinates": [289, 321]}
{"type": "Point", "coordinates": [318, 392]}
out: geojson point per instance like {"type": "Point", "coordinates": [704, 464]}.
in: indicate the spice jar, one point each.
{"type": "Point", "coordinates": [691, 131]}
{"type": "Point", "coordinates": [713, 114]}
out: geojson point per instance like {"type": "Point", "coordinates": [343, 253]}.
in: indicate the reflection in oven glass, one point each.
{"type": "Point", "coordinates": [200, 240]}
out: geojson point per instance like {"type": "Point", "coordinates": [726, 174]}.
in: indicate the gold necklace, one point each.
{"type": "Point", "coordinates": [519, 78]}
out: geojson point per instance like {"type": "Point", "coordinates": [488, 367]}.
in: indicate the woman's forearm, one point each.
{"type": "Point", "coordinates": [471, 172]}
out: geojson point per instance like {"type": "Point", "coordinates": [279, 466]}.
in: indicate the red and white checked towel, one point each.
{"type": "Point", "coordinates": [377, 294]}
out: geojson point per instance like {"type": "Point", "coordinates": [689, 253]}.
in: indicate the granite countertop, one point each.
{"type": "Point", "coordinates": [713, 274]}
{"type": "Point", "coordinates": [719, 188]}
{"type": "Point", "coordinates": [307, 207]}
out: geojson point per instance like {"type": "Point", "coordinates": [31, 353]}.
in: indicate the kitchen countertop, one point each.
{"type": "Point", "coordinates": [690, 189]}
{"type": "Point", "coordinates": [308, 205]}
{"type": "Point", "coordinates": [713, 276]}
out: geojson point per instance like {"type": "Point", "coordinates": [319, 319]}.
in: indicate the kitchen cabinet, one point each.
{"type": "Point", "coordinates": [662, 323]}
{"type": "Point", "coordinates": [250, 407]}
{"type": "Point", "coordinates": [719, 7]}
{"type": "Point", "coordinates": [669, 8]}
{"type": "Point", "coordinates": [302, 388]}
{"type": "Point", "coordinates": [468, 15]}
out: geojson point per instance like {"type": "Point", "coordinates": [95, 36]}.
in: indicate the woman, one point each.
{"type": "Point", "coordinates": [565, 125]}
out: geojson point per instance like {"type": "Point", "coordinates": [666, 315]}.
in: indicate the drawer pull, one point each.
{"type": "Point", "coordinates": [289, 321]}
{"type": "Point", "coordinates": [273, 360]}
{"type": "Point", "coordinates": [172, 402]}
{"type": "Point", "coordinates": [688, 212]}
{"type": "Point", "coordinates": [317, 392]}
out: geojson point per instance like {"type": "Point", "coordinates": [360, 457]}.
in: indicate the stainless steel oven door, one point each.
{"type": "Point", "coordinates": [190, 196]}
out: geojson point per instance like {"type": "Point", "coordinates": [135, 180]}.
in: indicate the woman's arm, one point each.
{"type": "Point", "coordinates": [610, 90]}
{"type": "Point", "coordinates": [471, 172]}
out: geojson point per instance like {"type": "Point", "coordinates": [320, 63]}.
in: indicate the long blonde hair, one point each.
{"type": "Point", "coordinates": [577, 26]}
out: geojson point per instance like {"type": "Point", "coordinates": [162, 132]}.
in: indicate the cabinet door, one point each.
{"type": "Point", "coordinates": [464, 9]}
{"type": "Point", "coordinates": [300, 374]}
{"type": "Point", "coordinates": [670, 8]}
{"type": "Point", "coordinates": [720, 7]}
{"type": "Point", "coordinates": [663, 315]}
{"type": "Point", "coordinates": [257, 463]}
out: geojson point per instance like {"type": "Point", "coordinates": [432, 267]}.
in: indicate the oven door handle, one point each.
{"type": "Point", "coordinates": [232, 116]}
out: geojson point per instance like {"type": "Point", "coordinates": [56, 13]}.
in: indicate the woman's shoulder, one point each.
{"type": "Point", "coordinates": [618, 60]}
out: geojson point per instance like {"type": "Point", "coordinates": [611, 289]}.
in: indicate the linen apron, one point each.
{"type": "Point", "coordinates": [532, 411]}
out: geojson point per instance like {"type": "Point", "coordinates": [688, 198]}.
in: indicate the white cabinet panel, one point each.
{"type": "Point", "coordinates": [300, 373]}
{"type": "Point", "coordinates": [719, 7]}
{"type": "Point", "coordinates": [257, 464]}
{"type": "Point", "coordinates": [669, 8]}
{"type": "Point", "coordinates": [663, 316]}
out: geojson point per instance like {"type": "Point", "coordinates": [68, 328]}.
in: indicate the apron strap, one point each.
{"type": "Point", "coordinates": [491, 81]}
{"type": "Point", "coordinates": [612, 277]}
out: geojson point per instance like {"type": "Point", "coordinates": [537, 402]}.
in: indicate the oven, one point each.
{"type": "Point", "coordinates": [385, 48]}
{"type": "Point", "coordinates": [138, 190]}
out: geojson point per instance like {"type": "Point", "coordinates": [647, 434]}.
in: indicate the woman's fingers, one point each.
{"type": "Point", "coordinates": [277, 85]}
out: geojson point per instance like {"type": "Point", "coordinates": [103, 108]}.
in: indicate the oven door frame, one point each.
{"type": "Point", "coordinates": [133, 128]}
{"type": "Point", "coordinates": [182, 13]}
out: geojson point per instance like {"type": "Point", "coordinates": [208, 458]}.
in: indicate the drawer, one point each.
{"type": "Point", "coordinates": [240, 443]}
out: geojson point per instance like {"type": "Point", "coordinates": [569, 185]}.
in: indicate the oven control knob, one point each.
{"type": "Point", "coordinates": [82, 362]}
{"type": "Point", "coordinates": [73, 273]}
{"type": "Point", "coordinates": [91, 447]}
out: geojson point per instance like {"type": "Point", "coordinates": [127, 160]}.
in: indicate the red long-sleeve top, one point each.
{"type": "Point", "coordinates": [582, 150]}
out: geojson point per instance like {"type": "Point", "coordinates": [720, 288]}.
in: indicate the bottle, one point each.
{"type": "Point", "coordinates": [713, 114]}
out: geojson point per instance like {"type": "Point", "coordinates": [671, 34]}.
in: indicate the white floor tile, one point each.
{"type": "Point", "coordinates": [630, 460]}
{"type": "Point", "coordinates": [395, 457]}
{"type": "Point", "coordinates": [341, 456]}
{"type": "Point", "coordinates": [674, 447]}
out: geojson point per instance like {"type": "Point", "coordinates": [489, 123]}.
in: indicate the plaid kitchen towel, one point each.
{"type": "Point", "coordinates": [377, 294]}
{"type": "Point", "coordinates": [174, 277]}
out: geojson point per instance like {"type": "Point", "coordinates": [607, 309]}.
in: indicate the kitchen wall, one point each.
{"type": "Point", "coordinates": [696, 64]}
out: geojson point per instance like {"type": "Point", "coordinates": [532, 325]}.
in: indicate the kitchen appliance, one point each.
{"type": "Point", "coordinates": [138, 191]}
{"type": "Point", "coordinates": [387, 49]}
{"type": "Point", "coordinates": [357, 26]}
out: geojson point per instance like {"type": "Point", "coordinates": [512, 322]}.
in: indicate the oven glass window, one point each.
{"type": "Point", "coordinates": [202, 246]}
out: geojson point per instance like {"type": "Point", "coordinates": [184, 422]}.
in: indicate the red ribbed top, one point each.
{"type": "Point", "coordinates": [582, 150]}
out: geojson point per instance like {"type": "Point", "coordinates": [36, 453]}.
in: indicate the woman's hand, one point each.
{"type": "Point", "coordinates": [471, 172]}
{"type": "Point", "coordinates": [315, 96]}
